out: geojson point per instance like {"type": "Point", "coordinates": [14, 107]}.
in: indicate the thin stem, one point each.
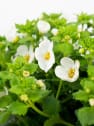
{"type": "Point", "coordinates": [59, 88]}
{"type": "Point", "coordinates": [37, 110]}
{"type": "Point", "coordinates": [45, 114]}
{"type": "Point", "coordinates": [66, 123]}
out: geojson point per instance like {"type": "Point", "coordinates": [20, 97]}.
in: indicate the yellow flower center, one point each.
{"type": "Point", "coordinates": [71, 72]}
{"type": "Point", "coordinates": [27, 57]}
{"type": "Point", "coordinates": [47, 56]}
{"type": "Point", "coordinates": [16, 39]}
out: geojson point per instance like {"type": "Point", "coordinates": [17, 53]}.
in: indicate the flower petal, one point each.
{"type": "Point", "coordinates": [61, 72]}
{"type": "Point", "coordinates": [22, 50]}
{"type": "Point", "coordinates": [45, 43]}
{"type": "Point", "coordinates": [77, 64]}
{"type": "Point", "coordinates": [31, 53]}
{"type": "Point", "coordinates": [43, 26]}
{"type": "Point", "coordinates": [67, 63]}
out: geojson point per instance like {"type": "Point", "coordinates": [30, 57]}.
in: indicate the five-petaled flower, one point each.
{"type": "Point", "coordinates": [44, 54]}
{"type": "Point", "coordinates": [43, 26]}
{"type": "Point", "coordinates": [68, 70]}
{"type": "Point", "coordinates": [26, 52]}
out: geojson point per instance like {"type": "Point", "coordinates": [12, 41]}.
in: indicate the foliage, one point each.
{"type": "Point", "coordinates": [31, 96]}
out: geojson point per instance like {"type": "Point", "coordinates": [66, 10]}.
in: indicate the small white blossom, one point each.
{"type": "Point", "coordinates": [91, 101]}
{"type": "Point", "coordinates": [54, 31]}
{"type": "Point", "coordinates": [76, 45]}
{"type": "Point", "coordinates": [80, 28]}
{"type": "Point", "coordinates": [87, 52]}
{"type": "Point", "coordinates": [92, 36]}
{"type": "Point", "coordinates": [91, 21]}
{"type": "Point", "coordinates": [11, 33]}
{"type": "Point", "coordinates": [43, 26]}
{"type": "Point", "coordinates": [68, 70]}
{"type": "Point", "coordinates": [26, 52]}
{"type": "Point", "coordinates": [44, 54]}
{"type": "Point", "coordinates": [90, 29]}
{"type": "Point", "coordinates": [85, 27]}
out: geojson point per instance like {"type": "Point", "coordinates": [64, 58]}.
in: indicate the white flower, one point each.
{"type": "Point", "coordinates": [43, 26]}
{"type": "Point", "coordinates": [90, 29]}
{"type": "Point", "coordinates": [26, 52]}
{"type": "Point", "coordinates": [68, 70]}
{"type": "Point", "coordinates": [85, 27]}
{"type": "Point", "coordinates": [91, 101]}
{"type": "Point", "coordinates": [54, 31]}
{"type": "Point", "coordinates": [76, 45]}
{"type": "Point", "coordinates": [44, 54]}
{"type": "Point", "coordinates": [91, 21]}
{"type": "Point", "coordinates": [87, 52]}
{"type": "Point", "coordinates": [80, 28]}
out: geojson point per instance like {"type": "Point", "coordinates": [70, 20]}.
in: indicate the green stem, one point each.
{"type": "Point", "coordinates": [31, 104]}
{"type": "Point", "coordinates": [37, 110]}
{"type": "Point", "coordinates": [59, 88]}
{"type": "Point", "coordinates": [66, 123]}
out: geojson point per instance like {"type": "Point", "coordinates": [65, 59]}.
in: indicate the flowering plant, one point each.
{"type": "Point", "coordinates": [47, 73]}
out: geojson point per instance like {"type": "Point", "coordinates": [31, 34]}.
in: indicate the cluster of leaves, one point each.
{"type": "Point", "coordinates": [20, 96]}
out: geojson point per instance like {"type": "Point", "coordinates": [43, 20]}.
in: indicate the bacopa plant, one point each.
{"type": "Point", "coordinates": [47, 73]}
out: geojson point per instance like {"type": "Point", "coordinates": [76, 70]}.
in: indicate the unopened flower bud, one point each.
{"type": "Point", "coordinates": [24, 97]}
{"type": "Point", "coordinates": [26, 73]}
{"type": "Point", "coordinates": [67, 37]}
{"type": "Point", "coordinates": [54, 31]}
{"type": "Point", "coordinates": [91, 102]}
{"type": "Point", "coordinates": [82, 50]}
{"type": "Point", "coordinates": [41, 84]}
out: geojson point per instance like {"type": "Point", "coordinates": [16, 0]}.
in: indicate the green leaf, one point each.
{"type": "Point", "coordinates": [65, 48]}
{"type": "Point", "coordinates": [4, 116]}
{"type": "Point", "coordinates": [31, 67]}
{"type": "Point", "coordinates": [81, 95]}
{"type": "Point", "coordinates": [51, 105]}
{"type": "Point", "coordinates": [5, 75]}
{"type": "Point", "coordinates": [29, 27]}
{"type": "Point", "coordinates": [26, 85]}
{"type": "Point", "coordinates": [86, 116]}
{"type": "Point", "coordinates": [53, 120]}
{"type": "Point", "coordinates": [54, 19]}
{"type": "Point", "coordinates": [2, 38]}
{"type": "Point", "coordinates": [18, 108]}
{"type": "Point", "coordinates": [16, 89]}
{"type": "Point", "coordinates": [36, 95]}
{"type": "Point", "coordinates": [91, 70]}
{"type": "Point", "coordinates": [87, 84]}
{"type": "Point", "coordinates": [5, 101]}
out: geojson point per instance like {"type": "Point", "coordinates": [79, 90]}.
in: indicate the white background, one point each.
{"type": "Point", "coordinates": [17, 11]}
